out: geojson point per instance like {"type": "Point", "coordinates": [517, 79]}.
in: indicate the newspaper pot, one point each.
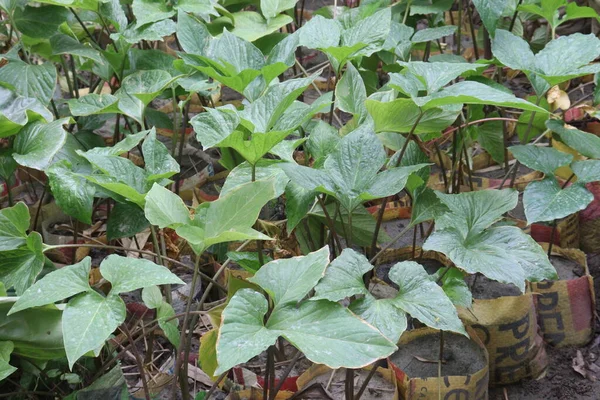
{"type": "Point", "coordinates": [465, 371]}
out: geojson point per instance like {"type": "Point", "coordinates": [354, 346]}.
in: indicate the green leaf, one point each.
{"type": "Point", "coordinates": [148, 11]}
{"type": "Point", "coordinates": [242, 334]}
{"type": "Point", "coordinates": [158, 162]}
{"type": "Point", "coordinates": [471, 92]}
{"type": "Point", "coordinates": [215, 125]}
{"type": "Point", "coordinates": [73, 193]}
{"type": "Point", "coordinates": [433, 120]}
{"type": "Point", "coordinates": [150, 32]}
{"type": "Point", "coordinates": [247, 260]}
{"type": "Point", "coordinates": [14, 222]}
{"type": "Point", "coordinates": [330, 334]}
{"type": "Point", "coordinates": [192, 34]}
{"type": "Point", "coordinates": [436, 75]}
{"type": "Point", "coordinates": [289, 280]}
{"type": "Point", "coordinates": [16, 111]}
{"type": "Point", "coordinates": [351, 171]}
{"type": "Point", "coordinates": [126, 144]}
{"type": "Point", "coordinates": [57, 285]}
{"type": "Point", "coordinates": [266, 170]}
{"type": "Point", "coordinates": [574, 11]}
{"type": "Point", "coordinates": [545, 200]}
{"type": "Point", "coordinates": [250, 25]}
{"type": "Point", "coordinates": [8, 165]}
{"type": "Point", "coordinates": [126, 220]}
{"type": "Point", "coordinates": [512, 51]}
{"type": "Point", "coordinates": [455, 287]}
{"type": "Point", "coordinates": [585, 143]}
{"type": "Point", "coordinates": [272, 8]}
{"type": "Point", "coordinates": [472, 212]}
{"type": "Point", "coordinates": [426, 206]}
{"type": "Point", "coordinates": [128, 274]}
{"type": "Point", "coordinates": [383, 315]}
{"type": "Point", "coordinates": [503, 253]}
{"type": "Point", "coordinates": [153, 299]}
{"type": "Point", "coordinates": [6, 348]}
{"type": "Point", "coordinates": [203, 8]}
{"type": "Point", "coordinates": [88, 320]}
{"type": "Point", "coordinates": [324, 331]}
{"type": "Point", "coordinates": [587, 171]}
{"type": "Point", "coordinates": [491, 137]}
{"type": "Point", "coordinates": [544, 159]}
{"type": "Point", "coordinates": [286, 148]}
{"type": "Point", "coordinates": [320, 33]}
{"type": "Point", "coordinates": [146, 85]}
{"type": "Point", "coordinates": [20, 267]}
{"type": "Point", "coordinates": [322, 141]}
{"type": "Point", "coordinates": [422, 298]}
{"type": "Point", "coordinates": [36, 333]}
{"type": "Point", "coordinates": [266, 111]}
{"type": "Point", "coordinates": [164, 208]}
{"type": "Point", "coordinates": [428, 34]}
{"type": "Point", "coordinates": [547, 10]}
{"type": "Point", "coordinates": [37, 144]}
{"type": "Point", "coordinates": [65, 44]}
{"type": "Point", "coordinates": [490, 13]}
{"type": "Point", "coordinates": [93, 104]}
{"type": "Point", "coordinates": [39, 22]}
{"type": "Point", "coordinates": [574, 50]}
{"type": "Point", "coordinates": [116, 169]}
{"type": "Point", "coordinates": [30, 80]}
{"type": "Point", "coordinates": [298, 201]}
{"type": "Point", "coordinates": [351, 94]}
{"type": "Point", "coordinates": [229, 218]}
{"type": "Point", "coordinates": [371, 31]}
{"type": "Point", "coordinates": [344, 277]}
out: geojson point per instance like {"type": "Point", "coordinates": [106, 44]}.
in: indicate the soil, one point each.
{"type": "Point", "coordinates": [461, 356]}
{"type": "Point", "coordinates": [562, 381]}
{"type": "Point", "coordinates": [378, 387]}
{"type": "Point", "coordinates": [566, 269]}
{"type": "Point", "coordinates": [485, 289]}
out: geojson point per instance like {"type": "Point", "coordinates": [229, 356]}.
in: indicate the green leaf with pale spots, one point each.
{"type": "Point", "coordinates": [545, 200]}
{"type": "Point", "coordinates": [88, 320]}
{"type": "Point", "coordinates": [127, 274]}
{"type": "Point", "coordinates": [324, 331]}
{"type": "Point", "coordinates": [57, 285]}
{"type": "Point", "coordinates": [288, 280]}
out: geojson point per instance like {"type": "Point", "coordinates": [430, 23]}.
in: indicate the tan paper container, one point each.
{"type": "Point", "coordinates": [473, 386]}
{"type": "Point", "coordinates": [565, 308]}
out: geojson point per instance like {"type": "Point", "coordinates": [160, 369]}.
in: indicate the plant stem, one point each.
{"type": "Point", "coordinates": [472, 29]}
{"type": "Point", "coordinates": [551, 242]}
{"type": "Point", "coordinates": [349, 384]}
{"type": "Point", "coordinates": [180, 359]}
{"type": "Point", "coordinates": [390, 244]}
{"type": "Point", "coordinates": [139, 362]}
{"type": "Point", "coordinates": [514, 17]}
{"type": "Point", "coordinates": [459, 31]}
{"type": "Point", "coordinates": [385, 200]}
{"type": "Point", "coordinates": [367, 380]}
{"type": "Point", "coordinates": [215, 385]}
{"type": "Point", "coordinates": [440, 359]}
{"type": "Point", "coordinates": [330, 222]}
{"type": "Point", "coordinates": [184, 122]}
{"type": "Point", "coordinates": [269, 373]}
{"type": "Point", "coordinates": [84, 27]}
{"type": "Point", "coordinates": [286, 373]}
